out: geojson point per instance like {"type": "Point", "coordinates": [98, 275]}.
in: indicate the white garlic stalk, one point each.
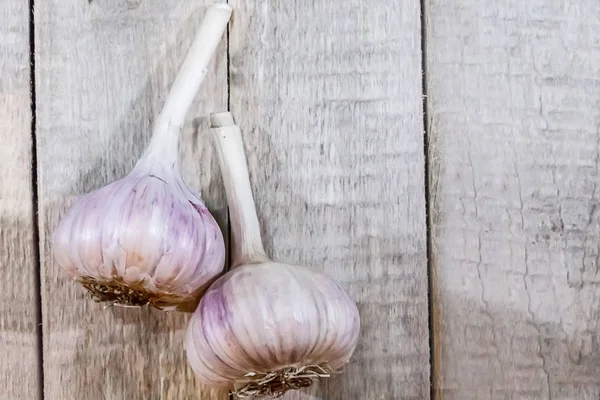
{"type": "Point", "coordinates": [265, 327]}
{"type": "Point", "coordinates": [146, 238]}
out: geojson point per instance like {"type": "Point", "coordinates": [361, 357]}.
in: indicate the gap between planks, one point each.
{"type": "Point", "coordinates": [34, 198]}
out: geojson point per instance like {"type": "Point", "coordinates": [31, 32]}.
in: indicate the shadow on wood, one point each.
{"type": "Point", "coordinates": [506, 354]}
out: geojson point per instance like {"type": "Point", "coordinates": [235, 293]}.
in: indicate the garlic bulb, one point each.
{"type": "Point", "coordinates": [146, 238]}
{"type": "Point", "coordinates": [265, 327]}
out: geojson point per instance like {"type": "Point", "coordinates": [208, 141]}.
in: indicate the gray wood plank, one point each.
{"type": "Point", "coordinates": [328, 96]}
{"type": "Point", "coordinates": [514, 111]}
{"type": "Point", "coordinates": [19, 368]}
{"type": "Point", "coordinates": [103, 72]}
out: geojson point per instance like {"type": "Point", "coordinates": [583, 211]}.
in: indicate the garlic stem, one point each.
{"type": "Point", "coordinates": [188, 81]}
{"type": "Point", "coordinates": [247, 245]}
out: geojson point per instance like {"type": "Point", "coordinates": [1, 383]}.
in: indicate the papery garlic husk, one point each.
{"type": "Point", "coordinates": [146, 238]}
{"type": "Point", "coordinates": [269, 319]}
{"type": "Point", "coordinates": [265, 327]}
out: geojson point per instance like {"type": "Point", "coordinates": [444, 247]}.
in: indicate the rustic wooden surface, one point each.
{"type": "Point", "coordinates": [329, 101]}
{"type": "Point", "coordinates": [19, 367]}
{"type": "Point", "coordinates": [514, 112]}
{"type": "Point", "coordinates": [103, 71]}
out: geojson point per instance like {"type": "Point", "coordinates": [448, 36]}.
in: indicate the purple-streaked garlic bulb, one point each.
{"type": "Point", "coordinates": [146, 238]}
{"type": "Point", "coordinates": [265, 327]}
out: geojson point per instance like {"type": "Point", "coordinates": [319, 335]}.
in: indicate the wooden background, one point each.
{"type": "Point", "coordinates": [466, 226]}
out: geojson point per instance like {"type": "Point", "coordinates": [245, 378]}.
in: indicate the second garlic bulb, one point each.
{"type": "Point", "coordinates": [287, 323]}
{"type": "Point", "coordinates": [265, 327]}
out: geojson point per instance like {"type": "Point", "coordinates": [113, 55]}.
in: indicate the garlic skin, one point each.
{"type": "Point", "coordinates": [144, 239]}
{"type": "Point", "coordinates": [265, 327]}
{"type": "Point", "coordinates": [264, 317]}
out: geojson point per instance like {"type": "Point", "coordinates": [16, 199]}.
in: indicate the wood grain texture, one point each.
{"type": "Point", "coordinates": [103, 72]}
{"type": "Point", "coordinates": [329, 100]}
{"type": "Point", "coordinates": [19, 368]}
{"type": "Point", "coordinates": [514, 112]}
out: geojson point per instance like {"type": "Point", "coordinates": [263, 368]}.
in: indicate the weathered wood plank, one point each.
{"type": "Point", "coordinates": [514, 111]}
{"type": "Point", "coordinates": [103, 72]}
{"type": "Point", "coordinates": [19, 368]}
{"type": "Point", "coordinates": [329, 99]}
